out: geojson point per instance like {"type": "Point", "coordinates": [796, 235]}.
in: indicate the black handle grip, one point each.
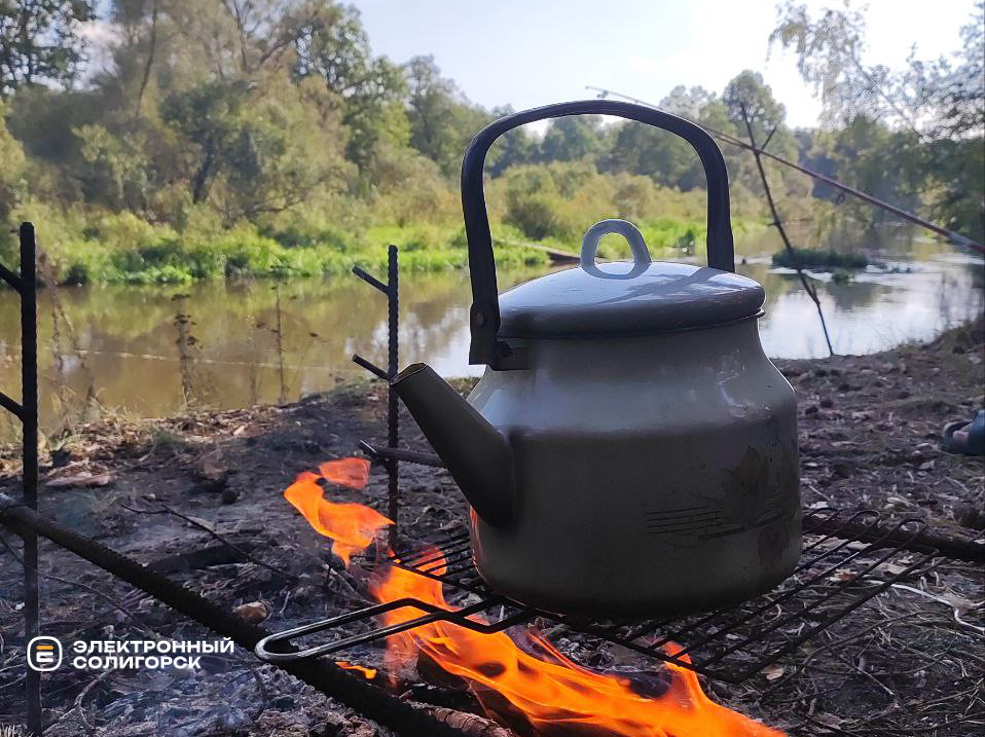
{"type": "Point", "coordinates": [484, 315]}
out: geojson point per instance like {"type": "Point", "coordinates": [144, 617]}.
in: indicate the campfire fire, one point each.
{"type": "Point", "coordinates": [351, 527]}
{"type": "Point", "coordinates": [521, 680]}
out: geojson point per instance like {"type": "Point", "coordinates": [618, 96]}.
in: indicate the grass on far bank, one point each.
{"type": "Point", "coordinates": [123, 248]}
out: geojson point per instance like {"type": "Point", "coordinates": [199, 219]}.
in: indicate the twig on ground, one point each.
{"type": "Point", "coordinates": [78, 704]}
{"type": "Point", "coordinates": [195, 523]}
{"type": "Point", "coordinates": [942, 600]}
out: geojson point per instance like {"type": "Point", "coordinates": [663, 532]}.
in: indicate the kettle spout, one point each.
{"type": "Point", "coordinates": [476, 454]}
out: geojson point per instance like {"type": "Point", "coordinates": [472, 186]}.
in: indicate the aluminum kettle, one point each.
{"type": "Point", "coordinates": [629, 450]}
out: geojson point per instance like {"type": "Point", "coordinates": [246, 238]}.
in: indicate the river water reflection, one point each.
{"type": "Point", "coordinates": [130, 348]}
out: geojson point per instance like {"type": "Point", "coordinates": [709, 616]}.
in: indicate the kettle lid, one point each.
{"type": "Point", "coordinates": [626, 298]}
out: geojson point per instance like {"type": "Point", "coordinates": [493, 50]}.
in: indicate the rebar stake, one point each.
{"type": "Point", "coordinates": [29, 402]}
{"type": "Point", "coordinates": [26, 411]}
{"type": "Point", "coordinates": [390, 463]}
{"type": "Point", "coordinates": [393, 409]}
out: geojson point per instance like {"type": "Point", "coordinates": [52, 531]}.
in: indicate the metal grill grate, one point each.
{"type": "Point", "coordinates": [835, 577]}
{"type": "Point", "coordinates": [837, 574]}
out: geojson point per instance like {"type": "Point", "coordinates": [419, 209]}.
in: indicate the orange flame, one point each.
{"type": "Point", "coordinates": [352, 527]}
{"type": "Point", "coordinates": [548, 688]}
{"type": "Point", "coordinates": [368, 673]}
{"type": "Point", "coordinates": [532, 682]}
{"type": "Point", "coordinates": [351, 472]}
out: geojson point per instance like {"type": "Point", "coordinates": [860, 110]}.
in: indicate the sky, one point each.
{"type": "Point", "coordinates": [528, 53]}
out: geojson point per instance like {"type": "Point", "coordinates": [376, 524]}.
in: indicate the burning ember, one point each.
{"type": "Point", "coordinates": [521, 680]}
{"type": "Point", "coordinates": [368, 673]}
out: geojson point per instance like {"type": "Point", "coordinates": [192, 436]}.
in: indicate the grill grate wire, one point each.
{"type": "Point", "coordinates": [837, 574]}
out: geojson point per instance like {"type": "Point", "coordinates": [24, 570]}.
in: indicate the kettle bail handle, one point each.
{"type": "Point", "coordinates": [633, 236]}
{"type": "Point", "coordinates": [486, 347]}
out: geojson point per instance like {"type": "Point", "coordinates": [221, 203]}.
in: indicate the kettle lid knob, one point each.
{"type": "Point", "coordinates": [633, 236]}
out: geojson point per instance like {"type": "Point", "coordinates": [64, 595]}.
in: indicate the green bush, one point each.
{"type": "Point", "coordinates": [536, 215]}
{"type": "Point", "coordinates": [76, 275]}
{"type": "Point", "coordinates": [293, 236]}
{"type": "Point", "coordinates": [828, 260]}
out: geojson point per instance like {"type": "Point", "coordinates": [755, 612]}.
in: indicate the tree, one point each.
{"type": "Point", "coordinates": [959, 179]}
{"type": "Point", "coordinates": [513, 148]}
{"type": "Point", "coordinates": [860, 151]}
{"type": "Point", "coordinates": [931, 101]}
{"type": "Point", "coordinates": [268, 151]}
{"type": "Point", "coordinates": [959, 91]}
{"type": "Point", "coordinates": [331, 44]}
{"type": "Point", "coordinates": [656, 153]}
{"type": "Point", "coordinates": [828, 51]}
{"type": "Point", "coordinates": [666, 158]}
{"type": "Point", "coordinates": [11, 168]}
{"type": "Point", "coordinates": [118, 174]}
{"type": "Point", "coordinates": [748, 96]}
{"type": "Point", "coordinates": [40, 40]}
{"type": "Point", "coordinates": [573, 138]}
{"type": "Point", "coordinates": [686, 102]}
{"type": "Point", "coordinates": [442, 122]}
{"type": "Point", "coordinates": [921, 96]}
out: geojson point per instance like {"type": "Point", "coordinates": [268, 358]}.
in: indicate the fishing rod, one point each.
{"type": "Point", "coordinates": [955, 238]}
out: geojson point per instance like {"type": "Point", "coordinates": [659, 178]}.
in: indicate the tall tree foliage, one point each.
{"type": "Point", "coordinates": [332, 45]}
{"type": "Point", "coordinates": [959, 85]}
{"type": "Point", "coordinates": [573, 138]}
{"type": "Point", "coordinates": [757, 116]}
{"type": "Point", "coordinates": [11, 170]}
{"type": "Point", "coordinates": [40, 41]}
{"type": "Point", "coordinates": [937, 107]}
{"type": "Point", "coordinates": [204, 105]}
{"type": "Point", "coordinates": [232, 112]}
{"type": "Point", "coordinates": [441, 120]}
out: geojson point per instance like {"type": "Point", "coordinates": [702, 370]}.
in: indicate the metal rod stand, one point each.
{"type": "Point", "coordinates": [393, 409]}
{"type": "Point", "coordinates": [25, 284]}
{"type": "Point", "coordinates": [390, 463]}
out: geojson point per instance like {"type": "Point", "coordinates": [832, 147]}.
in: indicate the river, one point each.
{"type": "Point", "coordinates": [149, 351]}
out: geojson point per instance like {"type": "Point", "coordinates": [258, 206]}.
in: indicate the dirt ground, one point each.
{"type": "Point", "coordinates": [909, 663]}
